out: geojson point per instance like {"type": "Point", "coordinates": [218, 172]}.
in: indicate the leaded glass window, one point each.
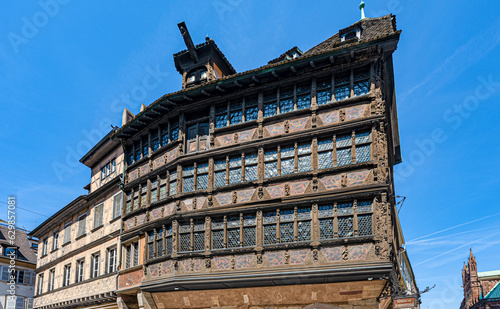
{"type": "Point", "coordinates": [286, 225]}
{"type": "Point", "coordinates": [221, 115]}
{"type": "Point", "coordinates": [164, 135]}
{"type": "Point", "coordinates": [270, 104]}
{"type": "Point", "coordinates": [151, 245]}
{"type": "Point", "coordinates": [325, 214]}
{"type": "Point", "coordinates": [235, 170]}
{"type": "Point", "coordinates": [269, 227]}
{"type": "Point", "coordinates": [287, 160]}
{"type": "Point", "coordinates": [364, 225]}
{"type": "Point", "coordinates": [325, 153]}
{"type": "Point", "coordinates": [138, 153]}
{"type": "Point", "coordinates": [324, 91]}
{"type": "Point", "coordinates": [233, 232]}
{"type": "Point", "coordinates": [342, 86]}
{"type": "Point", "coordinates": [144, 194]}
{"type": "Point", "coordinates": [304, 96]}
{"type": "Point", "coordinates": [159, 243]}
{"type": "Point", "coordinates": [154, 191]}
{"type": "Point", "coordinates": [155, 141]}
{"type": "Point", "coordinates": [251, 167]}
{"type": "Point", "coordinates": [270, 163]}
{"type": "Point", "coordinates": [361, 82]}
{"type": "Point", "coordinates": [199, 235]}
{"type": "Point", "coordinates": [249, 230]}
{"type": "Point", "coordinates": [344, 209]}
{"type": "Point", "coordinates": [202, 176]}
{"type": "Point", "coordinates": [168, 240]}
{"type": "Point", "coordinates": [145, 146]}
{"type": "Point", "coordinates": [286, 100]}
{"type": "Point", "coordinates": [184, 236]}
{"type": "Point", "coordinates": [174, 131]}
{"type": "Point", "coordinates": [173, 183]}
{"type": "Point", "coordinates": [130, 156]}
{"type": "Point", "coordinates": [364, 206]}
{"type": "Point", "coordinates": [251, 109]}
{"type": "Point", "coordinates": [128, 203]}
{"type": "Point", "coordinates": [362, 141]}
{"type": "Point", "coordinates": [217, 233]}
{"type": "Point", "coordinates": [235, 112]}
{"type": "Point", "coordinates": [345, 226]}
{"type": "Point", "coordinates": [304, 151]}
{"type": "Point", "coordinates": [163, 187]}
{"type": "Point", "coordinates": [304, 230]}
{"type": "Point", "coordinates": [135, 203]}
{"type": "Point", "coordinates": [220, 173]}
{"type": "Point", "coordinates": [344, 156]}
{"type": "Point", "coordinates": [188, 178]}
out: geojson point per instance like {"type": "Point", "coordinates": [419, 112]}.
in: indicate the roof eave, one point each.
{"type": "Point", "coordinates": [264, 69]}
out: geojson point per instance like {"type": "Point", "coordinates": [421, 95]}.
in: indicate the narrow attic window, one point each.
{"type": "Point", "coordinates": [203, 74]}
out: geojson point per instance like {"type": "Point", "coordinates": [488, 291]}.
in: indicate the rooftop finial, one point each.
{"type": "Point", "coordinates": [362, 8]}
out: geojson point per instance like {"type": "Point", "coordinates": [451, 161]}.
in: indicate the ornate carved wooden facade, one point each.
{"type": "Point", "coordinates": [271, 187]}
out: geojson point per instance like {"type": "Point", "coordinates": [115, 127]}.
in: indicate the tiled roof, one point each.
{"type": "Point", "coordinates": [285, 54]}
{"type": "Point", "coordinates": [208, 41]}
{"type": "Point", "coordinates": [25, 250]}
{"type": "Point", "coordinates": [491, 273]}
{"type": "Point", "coordinates": [494, 293]}
{"type": "Point", "coordinates": [371, 28]}
{"type": "Point", "coordinates": [388, 28]}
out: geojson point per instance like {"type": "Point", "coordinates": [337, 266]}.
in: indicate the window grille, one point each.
{"type": "Point", "coordinates": [364, 225]}
{"type": "Point", "coordinates": [270, 104]}
{"type": "Point", "coordinates": [304, 96]}
{"type": "Point", "coordinates": [251, 108]}
{"type": "Point", "coordinates": [286, 100]}
{"type": "Point", "coordinates": [287, 160]}
{"type": "Point", "coordinates": [342, 86]}
{"type": "Point", "coordinates": [251, 167]}
{"type": "Point", "coordinates": [361, 82]}
{"type": "Point", "coordinates": [269, 227]}
{"type": "Point", "coordinates": [172, 183]}
{"type": "Point", "coordinates": [270, 163]}
{"type": "Point", "coordinates": [324, 91]}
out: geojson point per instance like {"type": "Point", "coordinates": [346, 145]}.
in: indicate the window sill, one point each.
{"type": "Point", "coordinates": [54, 250]}
{"type": "Point", "coordinates": [115, 219]}
{"type": "Point", "coordinates": [66, 243]}
{"type": "Point", "coordinates": [81, 236]}
{"type": "Point", "coordinates": [96, 228]}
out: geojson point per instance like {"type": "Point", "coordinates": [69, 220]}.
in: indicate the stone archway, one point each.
{"type": "Point", "coordinates": [320, 306]}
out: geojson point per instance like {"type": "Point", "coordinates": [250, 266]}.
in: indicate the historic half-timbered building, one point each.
{"type": "Point", "coordinates": [271, 187]}
{"type": "Point", "coordinates": [78, 257]}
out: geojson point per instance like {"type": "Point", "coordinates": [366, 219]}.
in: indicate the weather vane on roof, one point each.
{"type": "Point", "coordinates": [362, 8]}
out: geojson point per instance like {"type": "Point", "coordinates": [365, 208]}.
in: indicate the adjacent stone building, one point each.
{"type": "Point", "coordinates": [23, 251]}
{"type": "Point", "coordinates": [481, 289]}
{"type": "Point", "coordinates": [78, 258]}
{"type": "Point", "coordinates": [271, 187]}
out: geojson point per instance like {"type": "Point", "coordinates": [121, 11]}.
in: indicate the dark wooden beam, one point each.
{"type": "Point", "coordinates": [220, 88]}
{"type": "Point", "coordinates": [255, 79]}
{"type": "Point", "coordinates": [205, 92]}
{"type": "Point", "coordinates": [237, 83]}
{"type": "Point", "coordinates": [312, 64]}
{"type": "Point", "coordinates": [294, 70]}
{"type": "Point", "coordinates": [187, 98]}
{"type": "Point", "coordinates": [332, 59]}
{"type": "Point", "coordinates": [275, 74]}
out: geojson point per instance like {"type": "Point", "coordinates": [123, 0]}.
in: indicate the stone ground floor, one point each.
{"type": "Point", "coordinates": [345, 295]}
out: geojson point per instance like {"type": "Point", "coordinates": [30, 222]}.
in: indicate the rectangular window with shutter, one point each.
{"type": "Point", "coordinates": [117, 205]}
{"type": "Point", "coordinates": [29, 303]}
{"type": "Point", "coordinates": [67, 231]}
{"type": "Point", "coordinates": [81, 224]}
{"type": "Point", "coordinates": [98, 214]}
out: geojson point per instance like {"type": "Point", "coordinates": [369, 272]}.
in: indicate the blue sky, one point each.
{"type": "Point", "coordinates": [66, 72]}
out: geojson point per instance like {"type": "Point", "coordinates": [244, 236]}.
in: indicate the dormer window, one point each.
{"type": "Point", "coordinates": [294, 55]}
{"type": "Point", "coordinates": [191, 78]}
{"type": "Point", "coordinates": [355, 33]}
{"type": "Point", "coordinates": [203, 74]}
